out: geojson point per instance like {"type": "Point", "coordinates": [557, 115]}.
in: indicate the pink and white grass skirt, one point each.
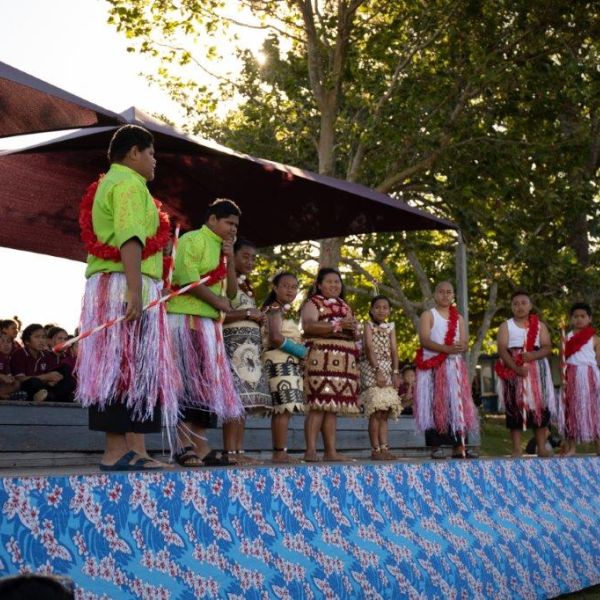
{"type": "Point", "coordinates": [204, 366]}
{"type": "Point", "coordinates": [443, 399]}
{"type": "Point", "coordinates": [129, 362]}
{"type": "Point", "coordinates": [579, 406]}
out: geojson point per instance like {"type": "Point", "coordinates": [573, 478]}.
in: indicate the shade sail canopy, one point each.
{"type": "Point", "coordinates": [30, 105]}
{"type": "Point", "coordinates": [41, 188]}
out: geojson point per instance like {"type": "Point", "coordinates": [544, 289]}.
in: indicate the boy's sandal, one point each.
{"type": "Point", "coordinates": [212, 459]}
{"type": "Point", "coordinates": [131, 462]}
{"type": "Point", "coordinates": [438, 454]}
{"type": "Point", "coordinates": [188, 458]}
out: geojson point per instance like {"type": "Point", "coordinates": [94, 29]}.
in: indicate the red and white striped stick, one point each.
{"type": "Point", "coordinates": [563, 360]}
{"type": "Point", "coordinates": [153, 304]}
{"type": "Point", "coordinates": [173, 255]}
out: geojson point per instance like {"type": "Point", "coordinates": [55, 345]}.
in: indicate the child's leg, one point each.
{"type": "Point", "coordinates": [198, 439]}
{"type": "Point", "coordinates": [570, 446]}
{"type": "Point", "coordinates": [230, 436]}
{"type": "Point", "coordinates": [515, 435]}
{"type": "Point", "coordinates": [116, 447]}
{"type": "Point", "coordinates": [541, 437]}
{"type": "Point", "coordinates": [137, 443]}
{"type": "Point", "coordinates": [374, 436]}
{"type": "Point", "coordinates": [383, 434]}
{"type": "Point", "coordinates": [329, 430]}
{"type": "Point", "coordinates": [598, 447]}
{"type": "Point", "coordinates": [35, 389]}
{"type": "Point", "coordinates": [312, 426]}
{"type": "Point", "coordinates": [279, 431]}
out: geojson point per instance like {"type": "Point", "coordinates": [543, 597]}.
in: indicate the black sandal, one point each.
{"type": "Point", "coordinates": [212, 459]}
{"type": "Point", "coordinates": [188, 458]}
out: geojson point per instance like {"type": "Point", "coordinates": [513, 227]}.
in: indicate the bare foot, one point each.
{"type": "Point", "coordinates": [337, 457]}
{"type": "Point", "coordinates": [156, 464]}
{"type": "Point", "coordinates": [242, 458]}
{"type": "Point", "coordinates": [283, 458]}
{"type": "Point", "coordinates": [516, 455]}
{"type": "Point", "coordinates": [311, 457]}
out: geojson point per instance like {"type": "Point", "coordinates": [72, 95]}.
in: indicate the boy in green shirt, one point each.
{"type": "Point", "coordinates": [126, 373]}
{"type": "Point", "coordinates": [196, 330]}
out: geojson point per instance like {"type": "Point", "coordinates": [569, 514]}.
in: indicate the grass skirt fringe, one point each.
{"type": "Point", "coordinates": [129, 362]}
{"type": "Point", "coordinates": [443, 399]}
{"type": "Point", "coordinates": [579, 407]}
{"type": "Point", "coordinates": [381, 398]}
{"type": "Point", "coordinates": [204, 367]}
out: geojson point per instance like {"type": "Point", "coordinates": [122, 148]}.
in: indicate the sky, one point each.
{"type": "Point", "coordinates": [69, 44]}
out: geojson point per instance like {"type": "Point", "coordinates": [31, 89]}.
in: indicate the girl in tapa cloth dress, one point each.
{"type": "Point", "coordinates": [331, 379]}
{"type": "Point", "coordinates": [579, 408]}
{"type": "Point", "coordinates": [380, 377]}
{"type": "Point", "coordinates": [243, 344]}
{"type": "Point", "coordinates": [282, 358]}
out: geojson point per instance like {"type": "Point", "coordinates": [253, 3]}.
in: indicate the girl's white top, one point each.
{"type": "Point", "coordinates": [438, 332]}
{"type": "Point", "coordinates": [585, 355]}
{"type": "Point", "coordinates": [517, 335]}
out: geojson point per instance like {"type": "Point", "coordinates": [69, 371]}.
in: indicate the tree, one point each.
{"type": "Point", "coordinates": [483, 112]}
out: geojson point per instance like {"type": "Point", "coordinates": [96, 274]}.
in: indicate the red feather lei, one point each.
{"type": "Point", "coordinates": [436, 361]}
{"type": "Point", "coordinates": [99, 249]}
{"type": "Point", "coordinates": [533, 328]}
{"type": "Point", "coordinates": [576, 342]}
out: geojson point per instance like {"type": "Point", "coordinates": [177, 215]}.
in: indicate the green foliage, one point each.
{"type": "Point", "coordinates": [485, 113]}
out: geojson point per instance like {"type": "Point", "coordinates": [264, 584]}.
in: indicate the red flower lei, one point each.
{"type": "Point", "coordinates": [576, 342]}
{"type": "Point", "coordinates": [217, 274]}
{"type": "Point", "coordinates": [436, 361]}
{"type": "Point", "coordinates": [337, 307]}
{"type": "Point", "coordinates": [533, 329]}
{"type": "Point", "coordinates": [99, 249]}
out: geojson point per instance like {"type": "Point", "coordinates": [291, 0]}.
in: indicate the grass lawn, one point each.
{"type": "Point", "coordinates": [495, 439]}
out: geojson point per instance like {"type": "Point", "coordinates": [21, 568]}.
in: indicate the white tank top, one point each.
{"type": "Point", "coordinates": [438, 332]}
{"type": "Point", "coordinates": [585, 355]}
{"type": "Point", "coordinates": [517, 335]}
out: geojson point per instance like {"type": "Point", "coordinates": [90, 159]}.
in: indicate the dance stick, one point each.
{"type": "Point", "coordinates": [563, 360]}
{"type": "Point", "coordinates": [173, 255]}
{"type": "Point", "coordinates": [154, 303]}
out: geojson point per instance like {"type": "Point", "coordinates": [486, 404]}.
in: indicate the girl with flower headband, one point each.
{"type": "Point", "coordinates": [444, 407]}
{"type": "Point", "coordinates": [579, 410]}
{"type": "Point", "coordinates": [525, 380]}
{"type": "Point", "coordinates": [283, 355]}
{"type": "Point", "coordinates": [380, 377]}
{"type": "Point", "coordinates": [242, 337]}
{"type": "Point", "coordinates": [331, 380]}
{"type": "Point", "coordinates": [126, 374]}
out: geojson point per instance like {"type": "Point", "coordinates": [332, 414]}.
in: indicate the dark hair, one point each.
{"type": "Point", "coordinates": [409, 367]}
{"type": "Point", "coordinates": [581, 306]}
{"type": "Point", "coordinates": [31, 586]}
{"type": "Point", "coordinates": [242, 243]}
{"type": "Point", "coordinates": [314, 289]}
{"type": "Point", "coordinates": [519, 293]}
{"type": "Point", "coordinates": [222, 208]}
{"type": "Point", "coordinates": [6, 323]}
{"type": "Point", "coordinates": [30, 330]}
{"type": "Point", "coordinates": [52, 331]}
{"type": "Point", "coordinates": [272, 296]}
{"type": "Point", "coordinates": [125, 138]}
{"type": "Point", "coordinates": [376, 299]}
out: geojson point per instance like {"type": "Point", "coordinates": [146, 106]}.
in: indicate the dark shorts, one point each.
{"type": "Point", "coordinates": [435, 439]}
{"type": "Point", "coordinates": [116, 418]}
{"type": "Point", "coordinates": [199, 417]}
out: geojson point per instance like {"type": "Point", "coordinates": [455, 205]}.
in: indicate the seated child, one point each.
{"type": "Point", "coordinates": [11, 327]}
{"type": "Point", "coordinates": [37, 369]}
{"type": "Point", "coordinates": [406, 391]}
{"type": "Point", "coordinates": [8, 384]}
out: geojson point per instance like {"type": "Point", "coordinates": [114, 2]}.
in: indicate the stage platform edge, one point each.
{"type": "Point", "coordinates": [463, 529]}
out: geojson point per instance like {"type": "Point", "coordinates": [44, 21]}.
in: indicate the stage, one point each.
{"type": "Point", "coordinates": [453, 529]}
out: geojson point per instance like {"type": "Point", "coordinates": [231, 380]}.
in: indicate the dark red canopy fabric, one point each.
{"type": "Point", "coordinates": [41, 187]}
{"type": "Point", "coordinates": [30, 105]}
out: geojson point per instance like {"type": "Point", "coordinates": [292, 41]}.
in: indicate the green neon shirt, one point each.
{"type": "Point", "coordinates": [124, 209]}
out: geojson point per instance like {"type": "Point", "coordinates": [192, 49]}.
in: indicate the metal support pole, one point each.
{"type": "Point", "coordinates": [462, 289]}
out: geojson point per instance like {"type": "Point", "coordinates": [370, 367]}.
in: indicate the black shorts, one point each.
{"type": "Point", "coordinates": [117, 418]}
{"type": "Point", "coordinates": [199, 417]}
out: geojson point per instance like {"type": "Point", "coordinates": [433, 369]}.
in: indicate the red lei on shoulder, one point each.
{"type": "Point", "coordinates": [436, 361]}
{"type": "Point", "coordinates": [578, 340]}
{"type": "Point", "coordinates": [533, 329]}
{"type": "Point", "coordinates": [215, 276]}
{"type": "Point", "coordinates": [99, 249]}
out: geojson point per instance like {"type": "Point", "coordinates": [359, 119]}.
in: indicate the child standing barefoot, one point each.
{"type": "Point", "coordinates": [526, 382]}
{"type": "Point", "coordinates": [380, 377]}
{"type": "Point", "coordinates": [444, 408]}
{"type": "Point", "coordinates": [579, 411]}
{"type": "Point", "coordinates": [282, 359]}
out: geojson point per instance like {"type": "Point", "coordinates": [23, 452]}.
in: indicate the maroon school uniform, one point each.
{"type": "Point", "coordinates": [4, 364]}
{"type": "Point", "coordinates": [22, 362]}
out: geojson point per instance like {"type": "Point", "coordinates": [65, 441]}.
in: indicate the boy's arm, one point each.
{"type": "Point", "coordinates": [505, 354]}
{"type": "Point", "coordinates": [232, 284]}
{"type": "Point", "coordinates": [545, 346]}
{"type": "Point", "coordinates": [131, 257]}
{"type": "Point", "coordinates": [207, 295]}
{"type": "Point", "coordinates": [425, 325]}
